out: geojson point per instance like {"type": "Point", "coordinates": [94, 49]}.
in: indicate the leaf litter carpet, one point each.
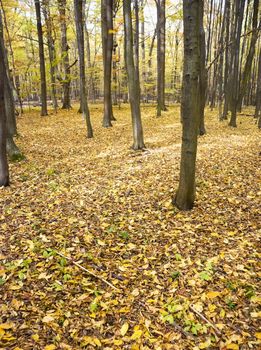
{"type": "Point", "coordinates": [178, 280]}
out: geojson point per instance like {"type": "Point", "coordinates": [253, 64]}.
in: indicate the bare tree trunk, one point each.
{"type": "Point", "coordinates": [203, 78]}
{"type": "Point", "coordinates": [4, 170]}
{"type": "Point", "coordinates": [250, 56]}
{"type": "Point", "coordinates": [66, 80]}
{"type": "Point", "coordinates": [161, 48]}
{"type": "Point", "coordinates": [12, 150]}
{"type": "Point", "coordinates": [41, 57]}
{"type": "Point", "coordinates": [143, 51]}
{"type": "Point", "coordinates": [193, 22]}
{"type": "Point", "coordinates": [78, 9]}
{"type": "Point", "coordinates": [240, 5]}
{"type": "Point", "coordinates": [133, 79]}
{"type": "Point", "coordinates": [227, 60]}
{"type": "Point", "coordinates": [258, 93]}
{"type": "Point", "coordinates": [107, 47]}
{"type": "Point", "coordinates": [51, 50]}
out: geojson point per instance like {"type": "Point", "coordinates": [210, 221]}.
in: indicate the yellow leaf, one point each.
{"type": "Point", "coordinates": [6, 325]}
{"type": "Point", "coordinates": [137, 334]}
{"type": "Point", "coordinates": [50, 347]}
{"type": "Point", "coordinates": [47, 319]}
{"type": "Point", "coordinates": [97, 341]}
{"type": "Point", "coordinates": [35, 337]}
{"type": "Point", "coordinates": [118, 342]}
{"type": "Point", "coordinates": [101, 243]}
{"type": "Point", "coordinates": [135, 292]}
{"type": "Point", "coordinates": [232, 346]}
{"type": "Point", "coordinates": [212, 295]}
{"type": "Point", "coordinates": [124, 329]}
{"type": "Point", "coordinates": [258, 335]}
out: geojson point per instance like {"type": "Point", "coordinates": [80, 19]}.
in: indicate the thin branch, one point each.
{"type": "Point", "coordinates": [73, 64]}
{"type": "Point", "coordinates": [86, 270]}
{"type": "Point", "coordinates": [29, 38]}
{"type": "Point", "coordinates": [206, 320]}
{"type": "Point", "coordinates": [226, 46]}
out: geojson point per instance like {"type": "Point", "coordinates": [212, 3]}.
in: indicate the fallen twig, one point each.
{"type": "Point", "coordinates": [206, 320]}
{"type": "Point", "coordinates": [86, 270]}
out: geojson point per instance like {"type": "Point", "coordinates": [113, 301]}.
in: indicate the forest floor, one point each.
{"type": "Point", "coordinates": [182, 280]}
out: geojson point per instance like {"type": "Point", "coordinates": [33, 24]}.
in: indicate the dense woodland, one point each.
{"type": "Point", "coordinates": [129, 178]}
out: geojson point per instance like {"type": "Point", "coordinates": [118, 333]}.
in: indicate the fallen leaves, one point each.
{"type": "Point", "coordinates": [109, 210]}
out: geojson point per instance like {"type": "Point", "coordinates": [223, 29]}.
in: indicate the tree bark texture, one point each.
{"type": "Point", "coordinates": [190, 109]}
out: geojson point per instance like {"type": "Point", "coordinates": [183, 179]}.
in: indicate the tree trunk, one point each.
{"type": "Point", "coordinates": [227, 60]}
{"type": "Point", "coordinates": [78, 10]}
{"type": "Point", "coordinates": [250, 56]}
{"type": "Point", "coordinates": [66, 81]}
{"type": "Point", "coordinates": [240, 4]}
{"type": "Point", "coordinates": [258, 93]}
{"type": "Point", "coordinates": [107, 47]}
{"type": "Point", "coordinates": [203, 78]}
{"type": "Point", "coordinates": [4, 171]}
{"type": "Point", "coordinates": [193, 22]}
{"type": "Point", "coordinates": [51, 50]}
{"type": "Point", "coordinates": [41, 57]}
{"type": "Point", "coordinates": [161, 48]}
{"type": "Point", "coordinates": [143, 52]}
{"type": "Point", "coordinates": [133, 78]}
{"type": "Point", "coordinates": [11, 130]}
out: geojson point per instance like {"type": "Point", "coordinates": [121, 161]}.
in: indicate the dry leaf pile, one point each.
{"type": "Point", "coordinates": [183, 280]}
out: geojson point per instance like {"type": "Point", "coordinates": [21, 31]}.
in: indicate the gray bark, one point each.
{"type": "Point", "coordinates": [133, 79]}
{"type": "Point", "coordinates": [42, 60]}
{"type": "Point", "coordinates": [78, 11]}
{"type": "Point", "coordinates": [193, 22]}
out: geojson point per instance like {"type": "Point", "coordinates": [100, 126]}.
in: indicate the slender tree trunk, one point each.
{"type": "Point", "coordinates": [161, 48]}
{"type": "Point", "coordinates": [41, 57]}
{"type": "Point", "coordinates": [193, 22]}
{"type": "Point", "coordinates": [107, 47]}
{"type": "Point", "coordinates": [149, 73]}
{"type": "Point", "coordinates": [221, 63]}
{"type": "Point", "coordinates": [66, 80]}
{"type": "Point", "coordinates": [78, 10]}
{"type": "Point", "coordinates": [203, 78]}
{"type": "Point", "coordinates": [15, 82]}
{"type": "Point", "coordinates": [250, 56]}
{"type": "Point", "coordinates": [240, 5]}
{"type": "Point", "coordinates": [143, 51]}
{"type": "Point", "coordinates": [258, 92]}
{"type": "Point", "coordinates": [4, 170]}
{"type": "Point", "coordinates": [51, 50]}
{"type": "Point", "coordinates": [227, 60]}
{"type": "Point", "coordinates": [133, 79]}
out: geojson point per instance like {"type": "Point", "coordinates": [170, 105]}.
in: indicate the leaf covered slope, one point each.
{"type": "Point", "coordinates": [184, 280]}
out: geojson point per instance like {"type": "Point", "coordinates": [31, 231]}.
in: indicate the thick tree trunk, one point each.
{"type": "Point", "coordinates": [41, 57]}
{"type": "Point", "coordinates": [4, 171]}
{"type": "Point", "coordinates": [78, 10]}
{"type": "Point", "coordinates": [107, 47]}
{"type": "Point", "coordinates": [12, 150]}
{"type": "Point", "coordinates": [66, 81]}
{"type": "Point", "coordinates": [133, 79]}
{"type": "Point", "coordinates": [250, 56]}
{"type": "Point", "coordinates": [161, 48]}
{"type": "Point", "coordinates": [193, 22]}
